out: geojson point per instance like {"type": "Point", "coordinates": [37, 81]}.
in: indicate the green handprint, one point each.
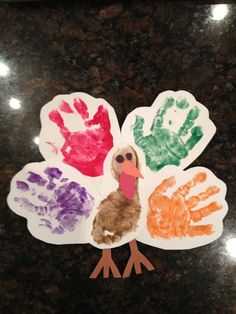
{"type": "Point", "coordinates": [164, 147]}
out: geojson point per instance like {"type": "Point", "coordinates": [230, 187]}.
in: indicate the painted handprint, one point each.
{"type": "Point", "coordinates": [57, 203]}
{"type": "Point", "coordinates": [173, 131]}
{"type": "Point", "coordinates": [92, 144]}
{"type": "Point", "coordinates": [176, 215]}
{"type": "Point", "coordinates": [76, 139]}
{"type": "Point", "coordinates": [163, 147]}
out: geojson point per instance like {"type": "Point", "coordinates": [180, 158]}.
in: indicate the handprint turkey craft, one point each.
{"type": "Point", "coordinates": [107, 187]}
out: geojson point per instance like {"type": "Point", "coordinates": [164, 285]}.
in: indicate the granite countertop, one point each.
{"type": "Point", "coordinates": [126, 52]}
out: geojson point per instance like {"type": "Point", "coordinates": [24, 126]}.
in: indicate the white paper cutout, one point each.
{"type": "Point", "coordinates": [51, 139]}
{"type": "Point", "coordinates": [36, 217]}
{"type": "Point", "coordinates": [176, 117]}
{"type": "Point", "coordinates": [106, 184]}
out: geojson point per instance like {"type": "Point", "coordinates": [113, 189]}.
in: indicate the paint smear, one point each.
{"type": "Point", "coordinates": [54, 148]}
{"type": "Point", "coordinates": [64, 180]}
{"type": "Point", "coordinates": [86, 151]}
{"type": "Point", "coordinates": [64, 209]}
{"type": "Point", "coordinates": [163, 147]}
{"type": "Point", "coordinates": [171, 217]}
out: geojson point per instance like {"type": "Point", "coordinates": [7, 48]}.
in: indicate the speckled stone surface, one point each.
{"type": "Point", "coordinates": [126, 52]}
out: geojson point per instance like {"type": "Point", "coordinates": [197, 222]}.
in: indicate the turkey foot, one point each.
{"type": "Point", "coordinates": [135, 260]}
{"type": "Point", "coordinates": [106, 264]}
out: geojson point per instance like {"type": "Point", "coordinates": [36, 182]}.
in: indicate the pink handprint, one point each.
{"type": "Point", "coordinates": [87, 150]}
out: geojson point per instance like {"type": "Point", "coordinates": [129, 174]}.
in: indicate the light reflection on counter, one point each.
{"type": "Point", "coordinates": [15, 103]}
{"type": "Point", "coordinates": [231, 247]}
{"type": "Point", "coordinates": [36, 140]}
{"type": "Point", "coordinates": [219, 12]}
{"type": "Point", "coordinates": [4, 69]}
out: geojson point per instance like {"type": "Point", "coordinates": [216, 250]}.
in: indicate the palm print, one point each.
{"type": "Point", "coordinates": [163, 147]}
{"type": "Point", "coordinates": [170, 217]}
{"type": "Point", "coordinates": [84, 150]}
{"type": "Point", "coordinates": [60, 204]}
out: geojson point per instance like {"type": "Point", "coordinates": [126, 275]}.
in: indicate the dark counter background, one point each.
{"type": "Point", "coordinates": [126, 52]}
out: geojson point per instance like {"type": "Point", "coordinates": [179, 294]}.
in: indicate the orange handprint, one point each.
{"type": "Point", "coordinates": [170, 217]}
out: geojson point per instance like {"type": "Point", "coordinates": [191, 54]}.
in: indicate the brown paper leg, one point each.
{"type": "Point", "coordinates": [136, 260]}
{"type": "Point", "coordinates": [106, 264]}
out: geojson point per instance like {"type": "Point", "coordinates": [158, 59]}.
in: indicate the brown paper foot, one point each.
{"type": "Point", "coordinates": [106, 264]}
{"type": "Point", "coordinates": [135, 260]}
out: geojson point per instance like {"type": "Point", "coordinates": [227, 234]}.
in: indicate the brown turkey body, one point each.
{"type": "Point", "coordinates": [116, 217]}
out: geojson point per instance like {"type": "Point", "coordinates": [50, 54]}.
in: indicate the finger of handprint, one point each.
{"type": "Point", "coordinates": [45, 223]}
{"type": "Point", "coordinates": [159, 118]}
{"type": "Point", "coordinates": [196, 135]}
{"type": "Point", "coordinates": [26, 187]}
{"type": "Point", "coordinates": [23, 186]}
{"type": "Point", "coordinates": [185, 188]}
{"type": "Point", "coordinates": [189, 121]}
{"type": "Point", "coordinates": [195, 199]}
{"type": "Point", "coordinates": [81, 108]}
{"type": "Point", "coordinates": [165, 185]}
{"type": "Point", "coordinates": [182, 104]}
{"type": "Point", "coordinates": [194, 231]}
{"type": "Point", "coordinates": [198, 214]}
{"type": "Point", "coordinates": [65, 107]}
{"type": "Point", "coordinates": [101, 118]}
{"type": "Point", "coordinates": [36, 179]}
{"type": "Point", "coordinates": [55, 117]}
{"type": "Point", "coordinates": [26, 204]}
{"type": "Point", "coordinates": [52, 173]}
{"type": "Point", "coordinates": [138, 129]}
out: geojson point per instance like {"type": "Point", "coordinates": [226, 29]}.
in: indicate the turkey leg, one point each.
{"type": "Point", "coordinates": [135, 260]}
{"type": "Point", "coordinates": [106, 264]}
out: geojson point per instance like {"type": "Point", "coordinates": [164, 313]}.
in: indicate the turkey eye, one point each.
{"type": "Point", "coordinates": [119, 158]}
{"type": "Point", "coordinates": [129, 156]}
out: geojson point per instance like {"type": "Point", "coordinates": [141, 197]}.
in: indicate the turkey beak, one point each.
{"type": "Point", "coordinates": [129, 168]}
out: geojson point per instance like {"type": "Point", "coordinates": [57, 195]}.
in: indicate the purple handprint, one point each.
{"type": "Point", "coordinates": [61, 211]}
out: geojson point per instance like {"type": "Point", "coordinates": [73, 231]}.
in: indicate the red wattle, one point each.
{"type": "Point", "coordinates": [127, 185]}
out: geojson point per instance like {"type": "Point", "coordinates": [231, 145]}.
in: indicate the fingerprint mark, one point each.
{"type": "Point", "coordinates": [23, 186]}
{"type": "Point", "coordinates": [36, 178]}
{"type": "Point", "coordinates": [53, 172]}
{"type": "Point", "coordinates": [65, 107]}
{"type": "Point", "coordinates": [81, 107]}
